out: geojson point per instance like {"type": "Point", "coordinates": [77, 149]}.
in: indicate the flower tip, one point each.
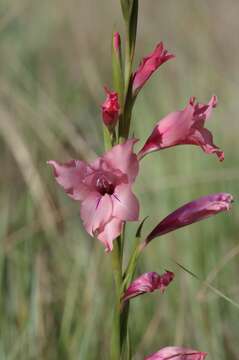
{"type": "Point", "coordinates": [214, 101]}
{"type": "Point", "coordinates": [52, 163]}
{"type": "Point", "coordinates": [107, 90]}
{"type": "Point", "coordinates": [221, 156]}
{"type": "Point", "coordinates": [117, 41]}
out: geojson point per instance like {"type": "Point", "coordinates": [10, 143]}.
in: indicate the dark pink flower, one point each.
{"type": "Point", "coordinates": [148, 282]}
{"type": "Point", "coordinates": [177, 353]}
{"type": "Point", "coordinates": [104, 189]}
{"type": "Point", "coordinates": [149, 65]}
{"type": "Point", "coordinates": [110, 108]}
{"type": "Point", "coordinates": [191, 212]}
{"type": "Point", "coordinates": [184, 127]}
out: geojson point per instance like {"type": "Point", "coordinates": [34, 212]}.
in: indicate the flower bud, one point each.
{"type": "Point", "coordinates": [110, 109]}
{"type": "Point", "coordinates": [116, 42]}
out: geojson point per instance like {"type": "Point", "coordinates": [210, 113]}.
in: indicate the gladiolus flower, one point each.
{"type": "Point", "coordinates": [147, 283]}
{"type": "Point", "coordinates": [182, 128]}
{"type": "Point", "coordinates": [192, 212]}
{"type": "Point", "coordinates": [110, 109]}
{"type": "Point", "coordinates": [177, 353]}
{"type": "Point", "coordinates": [104, 189]}
{"type": "Point", "coordinates": [149, 65]}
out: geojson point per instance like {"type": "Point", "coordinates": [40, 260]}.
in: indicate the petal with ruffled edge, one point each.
{"type": "Point", "coordinates": [184, 127]}
{"type": "Point", "coordinates": [177, 353]}
{"type": "Point", "coordinates": [110, 232]}
{"type": "Point", "coordinates": [202, 112]}
{"type": "Point", "coordinates": [70, 176]}
{"type": "Point", "coordinates": [96, 211]}
{"type": "Point", "coordinates": [125, 203]}
{"type": "Point", "coordinates": [121, 157]}
{"type": "Point", "coordinates": [203, 138]}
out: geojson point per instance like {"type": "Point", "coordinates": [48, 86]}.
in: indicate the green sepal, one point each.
{"type": "Point", "coordinates": [117, 72]}
{"type": "Point", "coordinates": [133, 26]}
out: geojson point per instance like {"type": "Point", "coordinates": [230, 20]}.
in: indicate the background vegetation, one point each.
{"type": "Point", "coordinates": [56, 284]}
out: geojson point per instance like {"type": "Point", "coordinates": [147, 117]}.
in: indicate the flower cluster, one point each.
{"type": "Point", "coordinates": [104, 187]}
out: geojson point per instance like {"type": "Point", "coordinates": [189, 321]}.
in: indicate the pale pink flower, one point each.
{"type": "Point", "coordinates": [192, 212]}
{"type": "Point", "coordinates": [110, 108]}
{"type": "Point", "coordinates": [177, 353]}
{"type": "Point", "coordinates": [104, 189]}
{"type": "Point", "coordinates": [149, 65]}
{"type": "Point", "coordinates": [184, 127]}
{"type": "Point", "coordinates": [147, 283]}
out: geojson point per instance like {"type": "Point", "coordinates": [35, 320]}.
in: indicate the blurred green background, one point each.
{"type": "Point", "coordinates": [56, 293]}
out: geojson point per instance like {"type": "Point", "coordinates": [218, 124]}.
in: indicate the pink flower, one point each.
{"type": "Point", "coordinates": [149, 65]}
{"type": "Point", "coordinates": [104, 189]}
{"type": "Point", "coordinates": [110, 108]}
{"type": "Point", "coordinates": [177, 353]}
{"type": "Point", "coordinates": [191, 212]}
{"type": "Point", "coordinates": [148, 282]}
{"type": "Point", "coordinates": [184, 127]}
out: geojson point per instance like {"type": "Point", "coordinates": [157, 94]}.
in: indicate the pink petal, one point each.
{"type": "Point", "coordinates": [191, 212]}
{"type": "Point", "coordinates": [177, 353]}
{"type": "Point", "coordinates": [203, 111]}
{"type": "Point", "coordinates": [169, 131]}
{"type": "Point", "coordinates": [96, 211]}
{"type": "Point", "coordinates": [70, 176]}
{"type": "Point", "coordinates": [148, 282]}
{"type": "Point", "coordinates": [203, 138]}
{"type": "Point", "coordinates": [149, 65]}
{"type": "Point", "coordinates": [110, 232]}
{"type": "Point", "coordinates": [121, 157]}
{"type": "Point", "coordinates": [125, 203]}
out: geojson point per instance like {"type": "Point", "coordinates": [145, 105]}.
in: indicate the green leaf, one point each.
{"type": "Point", "coordinates": [212, 288]}
{"type": "Point", "coordinates": [139, 230]}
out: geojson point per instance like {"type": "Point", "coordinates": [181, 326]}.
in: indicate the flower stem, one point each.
{"type": "Point", "coordinates": [117, 272]}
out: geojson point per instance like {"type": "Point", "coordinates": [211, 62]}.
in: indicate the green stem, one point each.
{"type": "Point", "coordinates": [117, 272]}
{"type": "Point", "coordinates": [131, 30]}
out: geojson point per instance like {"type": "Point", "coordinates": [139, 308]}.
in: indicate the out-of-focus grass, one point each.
{"type": "Point", "coordinates": [56, 284]}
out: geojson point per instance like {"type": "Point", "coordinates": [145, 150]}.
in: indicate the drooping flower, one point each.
{"type": "Point", "coordinates": [147, 283]}
{"type": "Point", "coordinates": [191, 212]}
{"type": "Point", "coordinates": [110, 109]}
{"type": "Point", "coordinates": [149, 65]}
{"type": "Point", "coordinates": [104, 189]}
{"type": "Point", "coordinates": [177, 353]}
{"type": "Point", "coordinates": [182, 128]}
